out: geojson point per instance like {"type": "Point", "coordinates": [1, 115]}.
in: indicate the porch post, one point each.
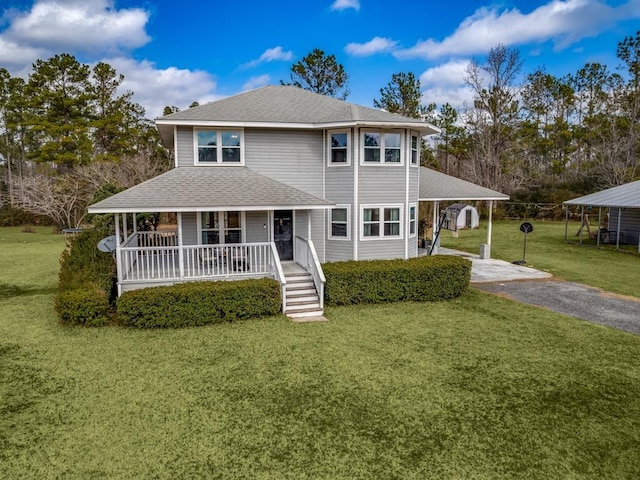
{"type": "Point", "coordinates": [125, 230]}
{"type": "Point", "coordinates": [180, 250]}
{"type": "Point", "coordinates": [135, 223]}
{"type": "Point", "coordinates": [118, 253]}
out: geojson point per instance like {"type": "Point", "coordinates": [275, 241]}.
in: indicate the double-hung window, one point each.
{"type": "Point", "coordinates": [381, 222]}
{"type": "Point", "coordinates": [415, 150]}
{"type": "Point", "coordinates": [339, 146]}
{"type": "Point", "coordinates": [339, 223]}
{"type": "Point", "coordinates": [382, 147]}
{"type": "Point", "coordinates": [218, 146]}
{"type": "Point", "coordinates": [221, 227]}
{"type": "Point", "coordinates": [413, 221]}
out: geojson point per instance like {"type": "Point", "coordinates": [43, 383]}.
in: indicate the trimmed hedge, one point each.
{"type": "Point", "coordinates": [382, 281]}
{"type": "Point", "coordinates": [199, 303]}
{"type": "Point", "coordinates": [85, 281]}
{"type": "Point", "coordinates": [88, 306]}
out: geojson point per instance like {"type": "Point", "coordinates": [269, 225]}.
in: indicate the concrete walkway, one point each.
{"type": "Point", "coordinates": [492, 270]}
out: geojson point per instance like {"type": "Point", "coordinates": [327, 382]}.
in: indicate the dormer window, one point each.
{"type": "Point", "coordinates": [219, 147]}
{"type": "Point", "coordinates": [339, 148]}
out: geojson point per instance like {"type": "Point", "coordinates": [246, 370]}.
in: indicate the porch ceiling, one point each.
{"type": "Point", "coordinates": [206, 188]}
{"type": "Point", "coordinates": [437, 186]}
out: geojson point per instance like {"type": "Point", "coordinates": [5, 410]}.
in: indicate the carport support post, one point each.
{"type": "Point", "coordinates": [598, 229]}
{"type": "Point", "coordinates": [618, 231]}
{"type": "Point", "coordinates": [566, 221]}
{"type": "Point", "coordinates": [581, 222]}
{"type": "Point", "coordinates": [489, 228]}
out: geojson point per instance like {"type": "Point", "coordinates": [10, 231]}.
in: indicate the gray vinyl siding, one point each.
{"type": "Point", "coordinates": [318, 233]}
{"type": "Point", "coordinates": [288, 156]}
{"type": "Point", "coordinates": [255, 227]}
{"type": "Point", "coordinates": [381, 249]}
{"type": "Point", "coordinates": [300, 228]}
{"type": "Point", "coordinates": [184, 146]}
{"type": "Point", "coordinates": [629, 224]}
{"type": "Point", "coordinates": [189, 228]}
{"type": "Point", "coordinates": [381, 184]}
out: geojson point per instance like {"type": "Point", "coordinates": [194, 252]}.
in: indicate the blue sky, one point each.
{"type": "Point", "coordinates": [175, 52]}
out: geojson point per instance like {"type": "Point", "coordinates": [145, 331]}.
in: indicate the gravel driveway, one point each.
{"type": "Point", "coordinates": [574, 299]}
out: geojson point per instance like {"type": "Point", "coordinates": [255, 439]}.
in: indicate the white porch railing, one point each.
{"type": "Point", "coordinates": [162, 238]}
{"type": "Point", "coordinates": [306, 256]}
{"type": "Point", "coordinates": [166, 263]}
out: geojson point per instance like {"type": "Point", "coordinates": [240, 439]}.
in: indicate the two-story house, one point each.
{"type": "Point", "coordinates": [274, 181]}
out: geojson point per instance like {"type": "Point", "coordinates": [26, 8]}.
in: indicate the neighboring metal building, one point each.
{"type": "Point", "coordinates": [623, 202]}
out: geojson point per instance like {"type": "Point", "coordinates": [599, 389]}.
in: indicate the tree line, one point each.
{"type": "Point", "coordinates": [68, 137]}
{"type": "Point", "coordinates": [66, 133]}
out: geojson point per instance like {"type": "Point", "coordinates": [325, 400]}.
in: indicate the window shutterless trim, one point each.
{"type": "Point", "coordinates": [382, 147]}
{"type": "Point", "coordinates": [414, 220]}
{"type": "Point", "coordinates": [330, 148]}
{"type": "Point", "coordinates": [218, 147]}
{"type": "Point", "coordinates": [381, 222]}
{"type": "Point", "coordinates": [330, 222]}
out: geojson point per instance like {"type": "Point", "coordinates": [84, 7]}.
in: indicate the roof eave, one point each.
{"type": "Point", "coordinates": [238, 208]}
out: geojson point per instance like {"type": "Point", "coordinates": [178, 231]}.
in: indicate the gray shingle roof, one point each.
{"type": "Point", "coordinates": [623, 196]}
{"type": "Point", "coordinates": [436, 186]}
{"type": "Point", "coordinates": [208, 188]}
{"type": "Point", "coordinates": [287, 104]}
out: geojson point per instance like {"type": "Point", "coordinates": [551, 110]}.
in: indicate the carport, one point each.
{"type": "Point", "coordinates": [439, 187]}
{"type": "Point", "coordinates": [623, 223]}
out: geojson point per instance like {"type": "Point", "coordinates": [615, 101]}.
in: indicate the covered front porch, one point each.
{"type": "Point", "coordinates": [214, 235]}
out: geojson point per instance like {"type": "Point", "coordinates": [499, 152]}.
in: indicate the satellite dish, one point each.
{"type": "Point", "coordinates": [107, 244]}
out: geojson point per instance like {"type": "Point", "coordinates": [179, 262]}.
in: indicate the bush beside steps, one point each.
{"type": "Point", "coordinates": [382, 281]}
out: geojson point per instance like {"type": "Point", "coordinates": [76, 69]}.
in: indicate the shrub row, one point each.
{"type": "Point", "coordinates": [382, 281]}
{"type": "Point", "coordinates": [199, 303]}
{"type": "Point", "coordinates": [85, 281]}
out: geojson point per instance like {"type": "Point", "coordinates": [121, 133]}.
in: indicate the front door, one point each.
{"type": "Point", "coordinates": [283, 233]}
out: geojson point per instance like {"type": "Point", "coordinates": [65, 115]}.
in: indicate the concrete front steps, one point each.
{"type": "Point", "coordinates": [302, 298]}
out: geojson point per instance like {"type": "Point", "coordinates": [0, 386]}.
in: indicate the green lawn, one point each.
{"type": "Point", "coordinates": [546, 250]}
{"type": "Point", "coordinates": [479, 387]}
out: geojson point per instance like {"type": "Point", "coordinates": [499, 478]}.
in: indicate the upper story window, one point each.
{"type": "Point", "coordinates": [382, 147]}
{"type": "Point", "coordinates": [339, 147]}
{"type": "Point", "coordinates": [219, 146]}
{"type": "Point", "coordinates": [415, 150]}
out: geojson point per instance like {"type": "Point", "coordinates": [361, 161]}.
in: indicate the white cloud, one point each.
{"type": "Point", "coordinates": [155, 88]}
{"type": "Point", "coordinates": [445, 84]}
{"type": "Point", "coordinates": [73, 25]}
{"type": "Point", "coordinates": [562, 21]}
{"type": "Point", "coordinates": [270, 55]}
{"type": "Point", "coordinates": [255, 82]}
{"type": "Point", "coordinates": [344, 4]}
{"type": "Point", "coordinates": [373, 46]}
